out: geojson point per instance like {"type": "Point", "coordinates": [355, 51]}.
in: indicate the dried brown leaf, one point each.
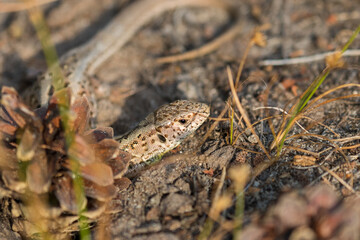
{"type": "Point", "coordinates": [52, 123]}
{"type": "Point", "coordinates": [101, 193]}
{"type": "Point", "coordinates": [98, 134]}
{"type": "Point", "coordinates": [105, 149]}
{"type": "Point", "coordinates": [12, 181]}
{"type": "Point", "coordinates": [81, 109]}
{"type": "Point", "coordinates": [30, 140]}
{"type": "Point", "coordinates": [95, 209]}
{"type": "Point", "coordinates": [65, 193]}
{"type": "Point", "coordinates": [7, 129]}
{"type": "Point", "coordinates": [81, 151]}
{"type": "Point", "coordinates": [15, 108]}
{"type": "Point", "coordinates": [5, 117]}
{"type": "Point", "coordinates": [98, 173]}
{"type": "Point", "coordinates": [288, 213]}
{"type": "Point", "coordinates": [119, 164]}
{"type": "Point", "coordinates": [8, 158]}
{"type": "Point", "coordinates": [122, 183]}
{"type": "Point", "coordinates": [38, 175]}
{"type": "Point", "coordinates": [320, 198]}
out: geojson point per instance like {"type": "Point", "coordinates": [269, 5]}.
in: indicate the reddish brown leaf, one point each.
{"type": "Point", "coordinates": [28, 144]}
{"type": "Point", "coordinates": [52, 123]}
{"type": "Point", "coordinates": [289, 212]}
{"type": "Point", "coordinates": [37, 174]}
{"type": "Point", "coordinates": [122, 183]}
{"type": "Point", "coordinates": [119, 165]}
{"type": "Point", "coordinates": [8, 158]}
{"type": "Point", "coordinates": [65, 193]}
{"type": "Point", "coordinates": [12, 181]}
{"type": "Point", "coordinates": [101, 193]}
{"type": "Point", "coordinates": [81, 108]}
{"type": "Point", "coordinates": [98, 134]}
{"type": "Point", "coordinates": [6, 128]}
{"type": "Point", "coordinates": [5, 117]}
{"type": "Point", "coordinates": [11, 101]}
{"type": "Point", "coordinates": [98, 173]}
{"type": "Point", "coordinates": [288, 82]}
{"type": "Point", "coordinates": [41, 112]}
{"type": "Point", "coordinates": [320, 198]}
{"type": "Point", "coordinates": [81, 151]}
{"type": "Point", "coordinates": [105, 149]}
{"type": "Point", "coordinates": [95, 209]}
{"type": "Point", "coordinates": [209, 172]}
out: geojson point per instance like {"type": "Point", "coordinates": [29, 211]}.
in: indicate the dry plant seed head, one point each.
{"type": "Point", "coordinates": [220, 205]}
{"type": "Point", "coordinates": [259, 39]}
{"type": "Point", "coordinates": [335, 60]}
{"type": "Point", "coordinates": [164, 129]}
{"type": "Point", "coordinates": [240, 176]}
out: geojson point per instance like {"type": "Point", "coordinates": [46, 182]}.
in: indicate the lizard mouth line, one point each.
{"type": "Point", "coordinates": [202, 115]}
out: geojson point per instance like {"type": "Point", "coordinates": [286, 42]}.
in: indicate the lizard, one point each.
{"type": "Point", "coordinates": [163, 130]}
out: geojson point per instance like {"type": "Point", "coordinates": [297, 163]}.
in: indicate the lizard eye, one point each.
{"type": "Point", "coordinates": [182, 121]}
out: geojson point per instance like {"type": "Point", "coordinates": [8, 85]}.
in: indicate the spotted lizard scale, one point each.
{"type": "Point", "coordinates": [163, 129]}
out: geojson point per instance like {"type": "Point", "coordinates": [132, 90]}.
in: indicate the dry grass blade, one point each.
{"type": "Point", "coordinates": [240, 176]}
{"type": "Point", "coordinates": [310, 107]}
{"type": "Point", "coordinates": [213, 126]}
{"type": "Point", "coordinates": [297, 110]}
{"type": "Point", "coordinates": [255, 123]}
{"type": "Point", "coordinates": [204, 50]}
{"type": "Point", "coordinates": [280, 110]}
{"type": "Point", "coordinates": [307, 59]}
{"type": "Point", "coordinates": [299, 149]}
{"type": "Point", "coordinates": [350, 147]}
{"type": "Point", "coordinates": [241, 66]}
{"type": "Point", "coordinates": [337, 177]}
{"type": "Point", "coordinates": [22, 5]}
{"type": "Point", "coordinates": [246, 53]}
{"type": "Point", "coordinates": [337, 147]}
{"type": "Point", "coordinates": [214, 210]}
{"type": "Point", "coordinates": [347, 139]}
{"type": "Point", "coordinates": [323, 125]}
{"type": "Point", "coordinates": [243, 112]}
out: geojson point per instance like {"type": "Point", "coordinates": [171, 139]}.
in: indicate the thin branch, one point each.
{"type": "Point", "coordinates": [307, 59]}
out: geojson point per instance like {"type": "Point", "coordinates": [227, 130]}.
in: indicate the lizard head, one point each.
{"type": "Point", "coordinates": [164, 129]}
{"type": "Point", "coordinates": [177, 120]}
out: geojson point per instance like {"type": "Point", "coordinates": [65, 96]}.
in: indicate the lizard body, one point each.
{"type": "Point", "coordinates": [160, 131]}
{"type": "Point", "coordinates": [164, 129]}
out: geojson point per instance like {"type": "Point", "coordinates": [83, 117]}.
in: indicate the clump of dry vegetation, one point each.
{"type": "Point", "coordinates": [48, 183]}
{"type": "Point", "coordinates": [315, 212]}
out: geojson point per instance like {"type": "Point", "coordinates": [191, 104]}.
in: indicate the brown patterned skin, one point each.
{"type": "Point", "coordinates": [164, 129]}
